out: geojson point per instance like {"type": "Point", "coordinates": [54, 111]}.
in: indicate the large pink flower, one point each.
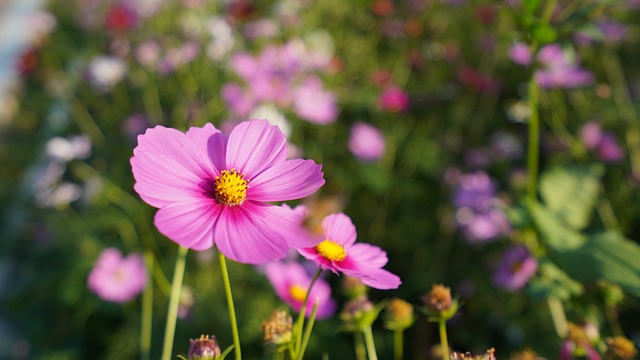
{"type": "Point", "coordinates": [291, 282]}
{"type": "Point", "coordinates": [339, 253]}
{"type": "Point", "coordinates": [213, 189]}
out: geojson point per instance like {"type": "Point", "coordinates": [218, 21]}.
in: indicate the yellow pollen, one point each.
{"type": "Point", "coordinates": [231, 187]}
{"type": "Point", "coordinates": [331, 250]}
{"type": "Point", "coordinates": [297, 292]}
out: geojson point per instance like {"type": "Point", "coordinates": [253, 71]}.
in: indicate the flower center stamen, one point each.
{"type": "Point", "coordinates": [331, 250]}
{"type": "Point", "coordinates": [230, 187]}
{"type": "Point", "coordinates": [297, 292]}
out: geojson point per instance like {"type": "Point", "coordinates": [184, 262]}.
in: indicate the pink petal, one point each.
{"type": "Point", "coordinates": [377, 278]}
{"type": "Point", "coordinates": [368, 254]}
{"type": "Point", "coordinates": [247, 234]}
{"type": "Point", "coordinates": [217, 150]}
{"type": "Point", "coordinates": [190, 224]}
{"type": "Point", "coordinates": [340, 229]}
{"type": "Point", "coordinates": [255, 146]}
{"type": "Point", "coordinates": [289, 180]}
{"type": "Point", "coordinates": [161, 179]}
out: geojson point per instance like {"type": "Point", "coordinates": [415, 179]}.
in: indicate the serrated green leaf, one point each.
{"type": "Point", "coordinates": [608, 256]}
{"type": "Point", "coordinates": [571, 192]}
{"type": "Point", "coordinates": [554, 233]}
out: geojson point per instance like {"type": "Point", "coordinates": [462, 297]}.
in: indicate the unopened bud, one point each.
{"type": "Point", "coordinates": [399, 314]}
{"type": "Point", "coordinates": [278, 328]}
{"type": "Point", "coordinates": [204, 348]}
{"type": "Point", "coordinates": [620, 348]}
{"type": "Point", "coordinates": [438, 299]}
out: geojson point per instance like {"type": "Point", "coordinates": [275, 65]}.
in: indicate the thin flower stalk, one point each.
{"type": "Point", "coordinates": [174, 301]}
{"type": "Point", "coordinates": [444, 343]}
{"type": "Point", "coordinates": [232, 310]}
{"type": "Point", "coordinates": [371, 346]}
{"type": "Point", "coordinates": [300, 321]}
{"type": "Point", "coordinates": [147, 311]}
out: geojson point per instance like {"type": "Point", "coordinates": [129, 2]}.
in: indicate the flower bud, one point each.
{"type": "Point", "coordinates": [489, 355]}
{"type": "Point", "coordinates": [204, 348]}
{"type": "Point", "coordinates": [353, 288]}
{"type": "Point", "coordinates": [438, 299]}
{"type": "Point", "coordinates": [399, 314]}
{"type": "Point", "coordinates": [278, 328]}
{"type": "Point", "coordinates": [620, 348]}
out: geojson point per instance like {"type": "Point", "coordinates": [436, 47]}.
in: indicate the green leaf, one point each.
{"type": "Point", "coordinates": [571, 192]}
{"type": "Point", "coordinates": [530, 6]}
{"type": "Point", "coordinates": [608, 256]}
{"type": "Point", "coordinates": [544, 34]}
{"type": "Point", "coordinates": [552, 282]}
{"type": "Point", "coordinates": [554, 233]}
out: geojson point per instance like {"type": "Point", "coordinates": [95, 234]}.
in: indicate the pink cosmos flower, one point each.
{"type": "Point", "coordinates": [339, 253]}
{"type": "Point", "coordinates": [212, 189]}
{"type": "Point", "coordinates": [116, 278]}
{"type": "Point", "coordinates": [366, 142]}
{"type": "Point", "coordinates": [394, 99]}
{"type": "Point", "coordinates": [291, 282]}
{"type": "Point", "coordinates": [520, 54]}
{"type": "Point", "coordinates": [313, 103]}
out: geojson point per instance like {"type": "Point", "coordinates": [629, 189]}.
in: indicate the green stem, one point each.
{"type": "Point", "coordinates": [558, 316]}
{"type": "Point", "coordinates": [303, 310]}
{"type": "Point", "coordinates": [359, 346]}
{"type": "Point", "coordinates": [307, 331]}
{"type": "Point", "coordinates": [398, 344]}
{"type": "Point", "coordinates": [174, 301]}
{"type": "Point", "coordinates": [444, 344]}
{"type": "Point", "coordinates": [147, 311]}
{"type": "Point", "coordinates": [232, 310]}
{"type": "Point", "coordinates": [371, 346]}
{"type": "Point", "coordinates": [533, 152]}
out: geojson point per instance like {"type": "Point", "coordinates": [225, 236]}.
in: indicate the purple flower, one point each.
{"type": "Point", "coordinates": [591, 135]}
{"type": "Point", "coordinates": [116, 278]}
{"type": "Point", "coordinates": [609, 150]}
{"type": "Point", "coordinates": [366, 142]}
{"type": "Point", "coordinates": [515, 269]}
{"type": "Point", "coordinates": [241, 102]}
{"type": "Point", "coordinates": [520, 54]}
{"type": "Point", "coordinates": [291, 282]}
{"type": "Point", "coordinates": [475, 191]}
{"type": "Point", "coordinates": [212, 189]}
{"type": "Point", "coordinates": [560, 69]}
{"type": "Point", "coordinates": [313, 103]}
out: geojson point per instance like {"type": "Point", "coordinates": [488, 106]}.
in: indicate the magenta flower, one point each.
{"type": "Point", "coordinates": [561, 69]}
{"type": "Point", "coordinates": [339, 253]}
{"type": "Point", "coordinates": [313, 103]}
{"type": "Point", "coordinates": [291, 282]}
{"type": "Point", "coordinates": [366, 142]}
{"type": "Point", "coordinates": [520, 54]}
{"type": "Point", "coordinates": [116, 278]}
{"type": "Point", "coordinates": [394, 99]}
{"type": "Point", "coordinates": [515, 269]}
{"type": "Point", "coordinates": [212, 189]}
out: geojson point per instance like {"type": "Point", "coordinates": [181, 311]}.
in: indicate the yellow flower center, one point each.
{"type": "Point", "coordinates": [297, 292]}
{"type": "Point", "coordinates": [331, 250]}
{"type": "Point", "coordinates": [231, 187]}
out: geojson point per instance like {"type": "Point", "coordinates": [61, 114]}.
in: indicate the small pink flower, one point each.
{"type": "Point", "coordinates": [313, 103]}
{"type": "Point", "coordinates": [116, 278]}
{"type": "Point", "coordinates": [394, 99]}
{"type": "Point", "coordinates": [340, 254]}
{"type": "Point", "coordinates": [520, 54]}
{"type": "Point", "coordinates": [291, 282]}
{"type": "Point", "coordinates": [212, 189]}
{"type": "Point", "coordinates": [366, 142]}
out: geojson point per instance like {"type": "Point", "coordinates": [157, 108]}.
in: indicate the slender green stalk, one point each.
{"type": "Point", "coordinates": [371, 346]}
{"type": "Point", "coordinates": [174, 301]}
{"type": "Point", "coordinates": [558, 316]}
{"type": "Point", "coordinates": [232, 310]}
{"type": "Point", "coordinates": [398, 344]}
{"type": "Point", "coordinates": [533, 152]}
{"type": "Point", "coordinates": [307, 331]}
{"type": "Point", "coordinates": [361, 353]}
{"type": "Point", "coordinates": [444, 343]}
{"type": "Point", "coordinates": [147, 311]}
{"type": "Point", "coordinates": [303, 310]}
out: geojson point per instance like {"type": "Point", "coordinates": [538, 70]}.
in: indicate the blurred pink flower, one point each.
{"type": "Point", "coordinates": [591, 134]}
{"type": "Point", "coordinates": [313, 103]}
{"type": "Point", "coordinates": [366, 142]}
{"type": "Point", "coordinates": [291, 282]}
{"type": "Point", "coordinates": [560, 69]}
{"type": "Point", "coordinates": [340, 254]}
{"type": "Point", "coordinates": [116, 278]}
{"type": "Point", "coordinates": [121, 18]}
{"type": "Point", "coordinates": [520, 54]}
{"type": "Point", "coordinates": [515, 269]}
{"type": "Point", "coordinates": [393, 99]}
{"type": "Point", "coordinates": [212, 189]}
{"type": "Point", "coordinates": [603, 143]}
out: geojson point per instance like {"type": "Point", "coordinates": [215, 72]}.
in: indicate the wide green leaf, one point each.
{"type": "Point", "coordinates": [554, 232]}
{"type": "Point", "coordinates": [608, 256]}
{"type": "Point", "coordinates": [571, 192]}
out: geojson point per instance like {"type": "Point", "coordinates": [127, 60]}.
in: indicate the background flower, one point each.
{"type": "Point", "coordinates": [117, 278]}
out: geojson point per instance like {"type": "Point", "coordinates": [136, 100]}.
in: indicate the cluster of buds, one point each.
{"type": "Point", "coordinates": [489, 355]}
{"type": "Point", "coordinates": [620, 348]}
